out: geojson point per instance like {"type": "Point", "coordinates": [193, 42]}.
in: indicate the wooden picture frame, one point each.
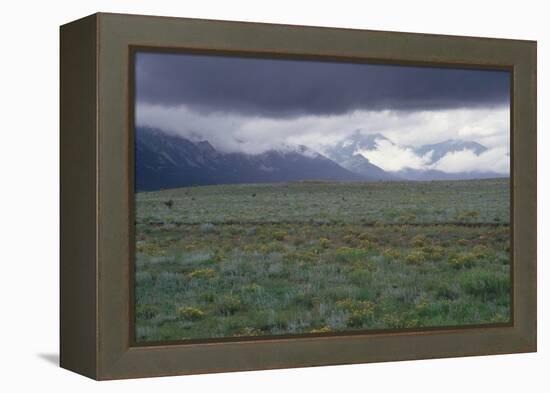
{"type": "Point", "coordinates": [97, 190]}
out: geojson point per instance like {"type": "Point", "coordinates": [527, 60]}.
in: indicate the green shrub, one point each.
{"type": "Point", "coordinates": [420, 241]}
{"type": "Point", "coordinates": [468, 215]}
{"type": "Point", "coordinates": [203, 273]}
{"type": "Point", "coordinates": [364, 244]}
{"type": "Point", "coordinates": [405, 218]}
{"type": "Point", "coordinates": [229, 305]}
{"type": "Point", "coordinates": [207, 228]}
{"type": "Point", "coordinates": [324, 242]}
{"type": "Point", "coordinates": [252, 288]}
{"type": "Point", "coordinates": [249, 331]}
{"type": "Point", "coordinates": [444, 291]}
{"type": "Point", "coordinates": [499, 318]}
{"type": "Point", "coordinates": [347, 254]}
{"type": "Point", "coordinates": [279, 235]}
{"type": "Point", "coordinates": [433, 253]}
{"type": "Point", "coordinates": [324, 329]}
{"type": "Point", "coordinates": [143, 278]}
{"type": "Point", "coordinates": [360, 316]}
{"type": "Point", "coordinates": [360, 311]}
{"type": "Point", "coordinates": [485, 284]}
{"type": "Point", "coordinates": [346, 304]}
{"type": "Point", "coordinates": [416, 257]}
{"type": "Point", "coordinates": [391, 254]}
{"type": "Point", "coordinates": [146, 311]}
{"type": "Point", "coordinates": [190, 313]}
{"type": "Point", "coordinates": [464, 260]}
{"type": "Point", "coordinates": [392, 321]}
{"type": "Point", "coordinates": [412, 323]}
{"type": "Point", "coordinates": [360, 277]}
{"type": "Point", "coordinates": [480, 251]}
{"type": "Point", "coordinates": [152, 249]}
{"type": "Point", "coordinates": [349, 239]}
{"type": "Point", "coordinates": [208, 296]}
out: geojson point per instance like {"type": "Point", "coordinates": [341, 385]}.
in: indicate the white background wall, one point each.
{"type": "Point", "coordinates": [29, 194]}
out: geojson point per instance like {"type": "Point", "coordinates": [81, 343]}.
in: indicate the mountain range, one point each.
{"type": "Point", "coordinates": [167, 161]}
{"type": "Point", "coordinates": [346, 154]}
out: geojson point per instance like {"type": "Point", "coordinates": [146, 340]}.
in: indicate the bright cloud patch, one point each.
{"type": "Point", "coordinates": [394, 158]}
{"type": "Point", "coordinates": [391, 157]}
{"type": "Point", "coordinates": [493, 160]}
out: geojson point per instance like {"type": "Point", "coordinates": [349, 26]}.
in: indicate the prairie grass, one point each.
{"type": "Point", "coordinates": [298, 259]}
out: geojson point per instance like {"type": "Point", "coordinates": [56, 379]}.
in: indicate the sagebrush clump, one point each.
{"type": "Point", "coordinates": [190, 313]}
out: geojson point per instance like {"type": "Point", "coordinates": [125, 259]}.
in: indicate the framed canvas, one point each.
{"type": "Point", "coordinates": [243, 196]}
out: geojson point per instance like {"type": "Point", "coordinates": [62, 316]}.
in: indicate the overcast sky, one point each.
{"type": "Point", "coordinates": [254, 104]}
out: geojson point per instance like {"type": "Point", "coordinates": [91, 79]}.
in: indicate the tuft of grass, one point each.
{"type": "Point", "coordinates": [349, 239]}
{"type": "Point", "coordinates": [207, 228]}
{"type": "Point", "coordinates": [444, 291]}
{"type": "Point", "coordinates": [358, 318]}
{"type": "Point", "coordinates": [416, 257]}
{"type": "Point", "coordinates": [468, 215]}
{"type": "Point", "coordinates": [485, 285]}
{"type": "Point", "coordinates": [280, 235]}
{"type": "Point", "coordinates": [324, 329]}
{"type": "Point", "coordinates": [249, 331]}
{"type": "Point", "coordinates": [463, 261]}
{"type": "Point", "coordinates": [420, 241]}
{"type": "Point", "coordinates": [391, 254]}
{"type": "Point", "coordinates": [348, 254]}
{"type": "Point", "coordinates": [190, 313]}
{"type": "Point", "coordinates": [360, 312]}
{"type": "Point", "coordinates": [324, 242]}
{"type": "Point", "coordinates": [433, 253]}
{"type": "Point", "coordinates": [406, 218]}
{"type": "Point", "coordinates": [146, 311]}
{"type": "Point", "coordinates": [229, 305]}
{"type": "Point", "coordinates": [206, 273]}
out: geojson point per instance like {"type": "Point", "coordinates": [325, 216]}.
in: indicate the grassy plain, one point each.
{"type": "Point", "coordinates": [316, 257]}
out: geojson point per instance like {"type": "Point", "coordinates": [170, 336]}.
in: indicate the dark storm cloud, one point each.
{"type": "Point", "coordinates": [282, 88]}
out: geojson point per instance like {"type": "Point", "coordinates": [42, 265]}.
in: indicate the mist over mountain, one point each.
{"type": "Point", "coordinates": [346, 154]}
{"type": "Point", "coordinates": [169, 161]}
{"type": "Point", "coordinates": [441, 149]}
{"type": "Point", "coordinates": [356, 152]}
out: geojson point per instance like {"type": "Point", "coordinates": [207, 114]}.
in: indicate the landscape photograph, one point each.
{"type": "Point", "coordinates": [286, 196]}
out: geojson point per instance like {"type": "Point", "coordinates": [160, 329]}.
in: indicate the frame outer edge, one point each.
{"type": "Point", "coordinates": [118, 359]}
{"type": "Point", "coordinates": [78, 203]}
{"type": "Point", "coordinates": [530, 198]}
